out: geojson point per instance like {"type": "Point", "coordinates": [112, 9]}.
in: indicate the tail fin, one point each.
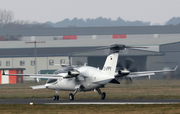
{"type": "Point", "coordinates": [110, 64]}
{"type": "Point", "coordinates": [111, 60]}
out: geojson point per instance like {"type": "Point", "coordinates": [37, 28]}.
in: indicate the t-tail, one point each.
{"type": "Point", "coordinates": [111, 60]}
{"type": "Point", "coordinates": [110, 63]}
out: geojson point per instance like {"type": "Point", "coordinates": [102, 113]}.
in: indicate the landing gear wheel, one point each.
{"type": "Point", "coordinates": [57, 97]}
{"type": "Point", "coordinates": [71, 96]}
{"type": "Point", "coordinates": [103, 96]}
{"type": "Point", "coordinates": [54, 97]}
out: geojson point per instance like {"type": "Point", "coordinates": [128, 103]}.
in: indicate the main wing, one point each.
{"type": "Point", "coordinates": [51, 76]}
{"type": "Point", "coordinates": [69, 74]}
{"type": "Point", "coordinates": [148, 73]}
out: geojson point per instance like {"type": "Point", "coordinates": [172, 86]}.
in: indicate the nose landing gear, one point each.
{"type": "Point", "coordinates": [56, 97]}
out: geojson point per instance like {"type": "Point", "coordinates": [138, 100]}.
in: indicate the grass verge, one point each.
{"type": "Point", "coordinates": [91, 109]}
{"type": "Point", "coordinates": [139, 89]}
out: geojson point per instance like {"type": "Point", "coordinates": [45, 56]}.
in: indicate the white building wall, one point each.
{"type": "Point", "coordinates": [5, 79]}
{"type": "Point", "coordinates": [42, 64]}
{"type": "Point", "coordinates": [5, 61]}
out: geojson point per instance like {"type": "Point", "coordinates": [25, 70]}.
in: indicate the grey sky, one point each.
{"type": "Point", "coordinates": [155, 11]}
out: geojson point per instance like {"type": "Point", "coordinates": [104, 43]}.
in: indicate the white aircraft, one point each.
{"type": "Point", "coordinates": [87, 78]}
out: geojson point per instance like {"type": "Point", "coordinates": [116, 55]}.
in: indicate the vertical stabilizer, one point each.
{"type": "Point", "coordinates": [110, 64]}
{"type": "Point", "coordinates": [111, 60]}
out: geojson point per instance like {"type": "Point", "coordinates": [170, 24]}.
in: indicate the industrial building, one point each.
{"type": "Point", "coordinates": [48, 48]}
{"type": "Point", "coordinates": [11, 79]}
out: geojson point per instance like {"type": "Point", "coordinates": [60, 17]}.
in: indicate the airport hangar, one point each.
{"type": "Point", "coordinates": [57, 46]}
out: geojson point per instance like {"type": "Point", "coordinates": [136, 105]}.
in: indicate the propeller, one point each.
{"type": "Point", "coordinates": [129, 63]}
{"type": "Point", "coordinates": [124, 70]}
{"type": "Point", "coordinates": [114, 47]}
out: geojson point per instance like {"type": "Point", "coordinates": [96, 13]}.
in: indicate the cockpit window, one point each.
{"type": "Point", "coordinates": [51, 80]}
{"type": "Point", "coordinates": [64, 70]}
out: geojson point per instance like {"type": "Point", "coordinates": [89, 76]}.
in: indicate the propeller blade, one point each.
{"type": "Point", "coordinates": [133, 70]}
{"type": "Point", "coordinates": [105, 47]}
{"type": "Point", "coordinates": [119, 65]}
{"type": "Point", "coordinates": [134, 47]}
{"type": "Point", "coordinates": [128, 63]}
{"type": "Point", "coordinates": [114, 47]}
{"type": "Point", "coordinates": [128, 80]}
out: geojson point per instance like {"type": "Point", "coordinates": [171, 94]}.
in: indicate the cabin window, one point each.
{"type": "Point", "coordinates": [62, 61]}
{"type": "Point", "coordinates": [51, 62]}
{"type": "Point", "coordinates": [33, 63]}
{"type": "Point", "coordinates": [22, 63]}
{"type": "Point", "coordinates": [51, 80]}
{"type": "Point", "coordinates": [7, 63]}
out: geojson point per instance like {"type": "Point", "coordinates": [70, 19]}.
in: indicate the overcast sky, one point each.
{"type": "Point", "coordinates": [155, 11]}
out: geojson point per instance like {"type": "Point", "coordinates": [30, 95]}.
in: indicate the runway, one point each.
{"type": "Point", "coordinates": [90, 101]}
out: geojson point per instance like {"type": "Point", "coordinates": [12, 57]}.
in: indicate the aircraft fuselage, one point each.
{"type": "Point", "coordinates": [90, 78]}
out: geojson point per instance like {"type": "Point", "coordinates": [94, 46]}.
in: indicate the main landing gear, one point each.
{"type": "Point", "coordinates": [56, 97]}
{"type": "Point", "coordinates": [71, 96]}
{"type": "Point", "coordinates": [103, 95]}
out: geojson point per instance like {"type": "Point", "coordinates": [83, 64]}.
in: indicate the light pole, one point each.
{"type": "Point", "coordinates": [35, 53]}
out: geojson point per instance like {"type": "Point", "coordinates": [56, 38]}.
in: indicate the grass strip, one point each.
{"type": "Point", "coordinates": [90, 109]}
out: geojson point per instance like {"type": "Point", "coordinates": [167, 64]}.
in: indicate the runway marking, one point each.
{"type": "Point", "coordinates": [109, 103]}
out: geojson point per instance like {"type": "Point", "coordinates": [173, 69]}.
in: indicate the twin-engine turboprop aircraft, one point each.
{"type": "Point", "coordinates": [87, 78]}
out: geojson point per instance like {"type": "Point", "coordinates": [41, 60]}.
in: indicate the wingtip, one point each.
{"type": "Point", "coordinates": [175, 68]}
{"type": "Point", "coordinates": [3, 73]}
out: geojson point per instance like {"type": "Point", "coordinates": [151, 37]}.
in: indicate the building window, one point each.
{"type": "Point", "coordinates": [0, 63]}
{"type": "Point", "coordinates": [62, 61]}
{"type": "Point", "coordinates": [22, 63]}
{"type": "Point", "coordinates": [33, 63]}
{"type": "Point", "coordinates": [51, 62]}
{"type": "Point", "coordinates": [7, 63]}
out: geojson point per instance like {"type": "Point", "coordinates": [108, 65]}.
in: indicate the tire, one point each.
{"type": "Point", "coordinates": [57, 97]}
{"type": "Point", "coordinates": [54, 97]}
{"type": "Point", "coordinates": [103, 96]}
{"type": "Point", "coordinates": [71, 96]}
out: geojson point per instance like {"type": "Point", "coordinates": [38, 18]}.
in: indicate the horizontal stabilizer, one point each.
{"type": "Point", "coordinates": [38, 87]}
{"type": "Point", "coordinates": [114, 81]}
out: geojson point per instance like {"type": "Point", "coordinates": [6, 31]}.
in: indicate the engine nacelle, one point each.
{"type": "Point", "coordinates": [122, 73]}
{"type": "Point", "coordinates": [73, 73]}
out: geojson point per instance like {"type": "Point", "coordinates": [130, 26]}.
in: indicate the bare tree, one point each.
{"type": "Point", "coordinates": [7, 21]}
{"type": "Point", "coordinates": [6, 17]}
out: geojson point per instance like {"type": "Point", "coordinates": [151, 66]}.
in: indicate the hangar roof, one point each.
{"type": "Point", "coordinates": [127, 52]}
{"type": "Point", "coordinates": [170, 47]}
{"type": "Point", "coordinates": [29, 52]}
{"type": "Point", "coordinates": [91, 30]}
{"type": "Point", "coordinates": [71, 51]}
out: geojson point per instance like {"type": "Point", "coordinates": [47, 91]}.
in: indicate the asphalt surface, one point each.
{"type": "Point", "coordinates": [90, 101]}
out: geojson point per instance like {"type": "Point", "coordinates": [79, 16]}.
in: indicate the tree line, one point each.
{"type": "Point", "coordinates": [100, 21]}
{"type": "Point", "coordinates": [105, 22]}
{"type": "Point", "coordinates": [7, 21]}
